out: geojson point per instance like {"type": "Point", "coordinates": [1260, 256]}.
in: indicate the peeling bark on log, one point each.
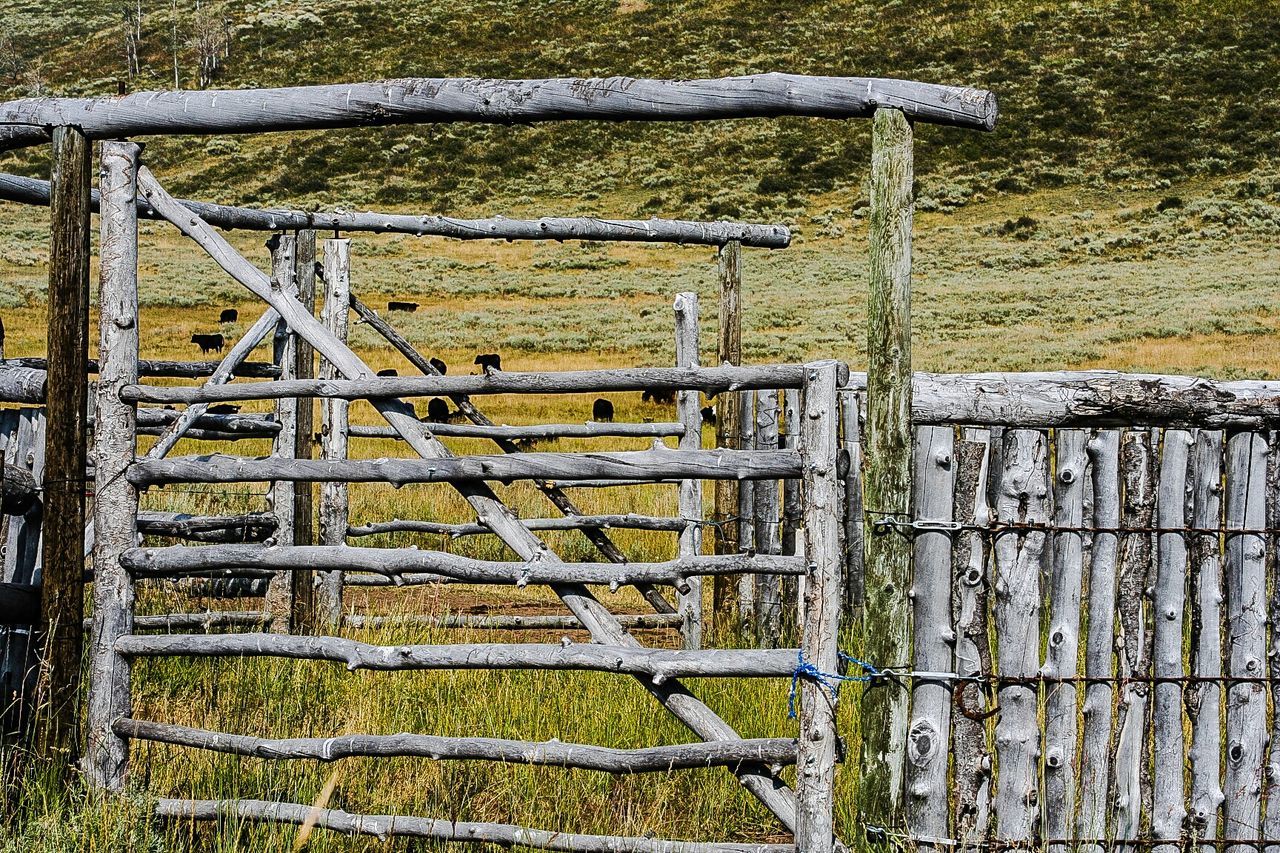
{"type": "Point", "coordinates": [226, 529]}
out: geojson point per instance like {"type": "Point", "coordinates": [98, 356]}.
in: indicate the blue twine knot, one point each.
{"type": "Point", "coordinates": [829, 680]}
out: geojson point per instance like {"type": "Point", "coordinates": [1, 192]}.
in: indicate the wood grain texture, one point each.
{"type": "Point", "coordinates": [629, 521]}
{"type": "Point", "coordinates": [335, 502]}
{"type": "Point", "coordinates": [724, 514]}
{"type": "Point", "coordinates": [537, 432]}
{"type": "Point", "coordinates": [689, 604]}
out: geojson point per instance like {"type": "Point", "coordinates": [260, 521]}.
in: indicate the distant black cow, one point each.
{"type": "Point", "coordinates": [602, 410]}
{"type": "Point", "coordinates": [1, 336]}
{"type": "Point", "coordinates": [437, 411]}
{"type": "Point", "coordinates": [208, 343]}
{"type": "Point", "coordinates": [390, 371]}
{"type": "Point", "coordinates": [222, 409]}
{"type": "Point", "coordinates": [658, 395]}
{"type": "Point", "coordinates": [489, 361]}
{"type": "Point", "coordinates": [440, 366]}
{"type": "Point", "coordinates": [228, 315]}
{"type": "Point", "coordinates": [402, 306]}
{"type": "Point", "coordinates": [709, 415]}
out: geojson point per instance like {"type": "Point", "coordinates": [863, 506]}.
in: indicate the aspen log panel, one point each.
{"type": "Point", "coordinates": [887, 478]}
{"type": "Point", "coordinates": [761, 782]}
{"type": "Point", "coordinates": [385, 826]}
{"type": "Point", "coordinates": [66, 439]}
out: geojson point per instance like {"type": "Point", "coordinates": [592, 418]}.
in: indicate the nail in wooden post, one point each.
{"type": "Point", "coordinates": [334, 503]}
{"type": "Point", "coordinates": [887, 484]}
{"type": "Point", "coordinates": [62, 575]}
{"type": "Point", "coordinates": [689, 604]}
{"type": "Point", "coordinates": [280, 597]}
{"type": "Point", "coordinates": [816, 762]}
{"type": "Point", "coordinates": [114, 446]}
{"type": "Point", "coordinates": [304, 589]}
{"type": "Point", "coordinates": [728, 351]}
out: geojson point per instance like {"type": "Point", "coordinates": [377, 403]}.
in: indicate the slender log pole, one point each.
{"type": "Point", "coordinates": [642, 621]}
{"type": "Point", "coordinates": [887, 487]}
{"type": "Point", "coordinates": [746, 514]}
{"type": "Point", "coordinates": [115, 442]}
{"type": "Point", "coordinates": [689, 604]}
{"type": "Point", "coordinates": [626, 522]}
{"type": "Point", "coordinates": [604, 628]}
{"type": "Point", "coordinates": [792, 517]}
{"type": "Point", "coordinates": [725, 506]}
{"type": "Point", "coordinates": [335, 509]}
{"type": "Point", "coordinates": [282, 496]}
{"type": "Point", "coordinates": [303, 593]}
{"type": "Point", "coordinates": [62, 578]}
{"type": "Point", "coordinates": [816, 764]}
{"type": "Point", "coordinates": [1271, 819]}
{"type": "Point", "coordinates": [1063, 648]}
{"type": "Point", "coordinates": [851, 442]}
{"type": "Point", "coordinates": [930, 725]}
{"type": "Point", "coordinates": [538, 432]}
{"type": "Point", "coordinates": [766, 513]}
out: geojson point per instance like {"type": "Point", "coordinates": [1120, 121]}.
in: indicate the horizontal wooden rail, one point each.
{"type": "Point", "coordinates": [253, 527]}
{"type": "Point", "coordinates": [514, 622]}
{"type": "Point", "coordinates": [425, 100]}
{"type": "Point", "coordinates": [572, 522]}
{"type": "Point", "coordinates": [658, 759]}
{"type": "Point", "coordinates": [20, 384]}
{"type": "Point", "coordinates": [172, 369]}
{"type": "Point", "coordinates": [533, 432]}
{"type": "Point", "coordinates": [174, 622]}
{"type": "Point", "coordinates": [709, 380]}
{"type": "Point", "coordinates": [392, 563]}
{"type": "Point", "coordinates": [656, 664]}
{"type": "Point", "coordinates": [609, 484]}
{"type": "Point", "coordinates": [36, 192]}
{"type": "Point", "coordinates": [256, 426]}
{"type": "Point", "coordinates": [657, 464]}
{"type": "Point", "coordinates": [386, 826]}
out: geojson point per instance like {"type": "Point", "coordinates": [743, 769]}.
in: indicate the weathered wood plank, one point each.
{"type": "Point", "coordinates": [302, 595]}
{"type": "Point", "coordinates": [854, 517]}
{"type": "Point", "coordinates": [253, 527]}
{"type": "Point", "coordinates": [746, 515]}
{"type": "Point", "coordinates": [887, 478]}
{"type": "Point", "coordinates": [425, 100]}
{"type": "Point", "coordinates": [1271, 775]}
{"type": "Point", "coordinates": [689, 605]}
{"type": "Point", "coordinates": [929, 731]}
{"type": "Point", "coordinates": [114, 445]}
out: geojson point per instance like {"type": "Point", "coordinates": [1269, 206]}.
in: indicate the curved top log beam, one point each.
{"type": "Point", "coordinates": [422, 100]}
{"type": "Point", "coordinates": [35, 191]}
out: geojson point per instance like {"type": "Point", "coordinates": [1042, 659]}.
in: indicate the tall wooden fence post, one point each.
{"type": "Point", "coordinates": [689, 604]}
{"type": "Point", "coordinates": [114, 445]}
{"type": "Point", "coordinates": [746, 514]}
{"type": "Point", "coordinates": [728, 351]}
{"type": "Point", "coordinates": [303, 583]}
{"type": "Point", "coordinates": [62, 575]}
{"type": "Point", "coordinates": [767, 516]}
{"type": "Point", "coordinates": [335, 507]}
{"type": "Point", "coordinates": [887, 483]}
{"type": "Point", "coordinates": [280, 589]}
{"type": "Point", "coordinates": [816, 760]}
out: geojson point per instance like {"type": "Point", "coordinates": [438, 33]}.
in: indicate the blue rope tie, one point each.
{"type": "Point", "coordinates": [829, 680]}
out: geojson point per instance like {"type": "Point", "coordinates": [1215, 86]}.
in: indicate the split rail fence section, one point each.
{"type": "Point", "coordinates": [119, 562]}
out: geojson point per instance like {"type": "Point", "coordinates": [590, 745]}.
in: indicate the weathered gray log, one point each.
{"type": "Point", "coordinates": [171, 369]}
{"type": "Point", "coordinates": [724, 513]}
{"type": "Point", "coordinates": [1063, 648]}
{"type": "Point", "coordinates": [628, 521]}
{"type": "Point", "coordinates": [250, 426]}
{"type": "Point", "coordinates": [254, 527]}
{"type": "Point", "coordinates": [643, 621]}
{"type": "Point", "coordinates": [1168, 809]}
{"type": "Point", "coordinates": [425, 100]}
{"type": "Point", "coordinates": [33, 191]}
{"type": "Point", "coordinates": [689, 605]}
{"type": "Point", "coordinates": [887, 478]}
{"type": "Point", "coordinates": [1133, 646]}
{"type": "Point", "coordinates": [1095, 757]}
{"type": "Point", "coordinates": [610, 484]}
{"type": "Point", "coordinates": [655, 664]}
{"type": "Point", "coordinates": [22, 384]}
{"type": "Point", "coordinates": [767, 513]}
{"type": "Point", "coordinates": [1024, 487]}
{"type": "Point", "coordinates": [819, 643]}
{"type": "Point", "coordinates": [19, 604]}
{"type": "Point", "coordinates": [1246, 728]}
{"type": "Point", "coordinates": [1204, 700]}
{"type": "Point", "coordinates": [929, 728]}
{"type": "Point", "coordinates": [554, 492]}
{"type": "Point", "coordinates": [335, 503]}
{"type": "Point", "coordinates": [24, 451]}
{"type": "Point", "coordinates": [208, 621]}
{"type": "Point", "coordinates": [1271, 776]}
{"type": "Point", "coordinates": [303, 594]}
{"type": "Point", "coordinates": [60, 637]}
{"type": "Point", "coordinates": [658, 759]}
{"type": "Point", "coordinates": [537, 432]}
{"type": "Point", "coordinates": [114, 444]}
{"type": "Point", "coordinates": [709, 380]}
{"type": "Point", "coordinates": [760, 781]}
{"type": "Point", "coordinates": [281, 495]}
{"type": "Point", "coordinates": [970, 616]}
{"type": "Point", "coordinates": [746, 514]}
{"type": "Point", "coordinates": [19, 493]}
{"type": "Point", "coordinates": [854, 517]}
{"type": "Point", "coordinates": [387, 826]}
{"type": "Point", "coordinates": [793, 518]}
{"type": "Point", "coordinates": [638, 465]}
{"type": "Point", "coordinates": [178, 559]}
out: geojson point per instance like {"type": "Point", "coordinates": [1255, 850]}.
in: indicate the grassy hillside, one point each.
{"type": "Point", "coordinates": [1109, 92]}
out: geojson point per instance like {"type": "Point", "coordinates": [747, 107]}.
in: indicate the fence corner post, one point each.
{"type": "Point", "coordinates": [114, 446]}
{"type": "Point", "coordinates": [886, 638]}
{"type": "Point", "coordinates": [816, 762]}
{"type": "Point", "coordinates": [689, 604]}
